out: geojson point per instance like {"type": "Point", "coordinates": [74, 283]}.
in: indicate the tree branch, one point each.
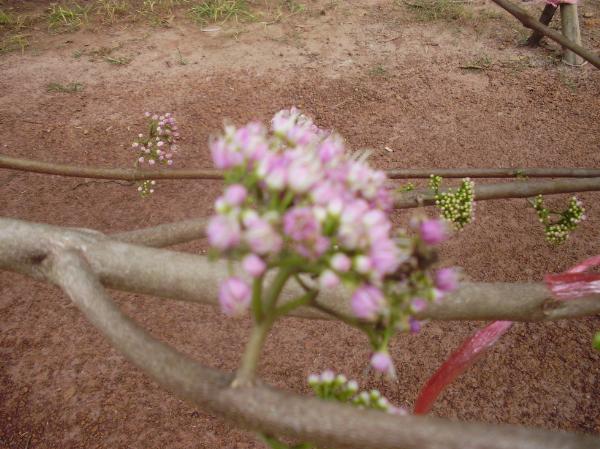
{"type": "Point", "coordinates": [29, 165]}
{"type": "Point", "coordinates": [267, 410]}
{"type": "Point", "coordinates": [167, 234]}
{"type": "Point", "coordinates": [189, 277]}
{"type": "Point", "coordinates": [535, 25]}
{"type": "Point", "coordinates": [516, 189]}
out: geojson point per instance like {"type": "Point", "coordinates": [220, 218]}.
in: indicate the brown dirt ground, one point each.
{"type": "Point", "coordinates": [365, 68]}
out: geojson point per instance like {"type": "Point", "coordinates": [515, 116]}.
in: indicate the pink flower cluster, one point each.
{"type": "Point", "coordinates": [158, 147]}
{"type": "Point", "coordinates": [294, 194]}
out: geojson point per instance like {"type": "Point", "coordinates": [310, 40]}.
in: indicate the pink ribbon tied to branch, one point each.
{"type": "Point", "coordinates": [571, 284]}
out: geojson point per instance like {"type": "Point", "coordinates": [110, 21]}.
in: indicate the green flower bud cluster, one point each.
{"type": "Point", "coordinates": [146, 187]}
{"type": "Point", "coordinates": [409, 187]}
{"type": "Point", "coordinates": [596, 341]}
{"type": "Point", "coordinates": [557, 232]}
{"type": "Point", "coordinates": [455, 207]}
{"type": "Point", "coordinates": [331, 387]}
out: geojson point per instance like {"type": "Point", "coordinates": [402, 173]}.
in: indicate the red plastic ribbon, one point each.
{"type": "Point", "coordinates": [574, 283]}
{"type": "Point", "coordinates": [461, 359]}
{"type": "Point", "coordinates": [571, 284]}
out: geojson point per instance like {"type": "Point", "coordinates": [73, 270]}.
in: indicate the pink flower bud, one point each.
{"type": "Point", "coordinates": [170, 162]}
{"type": "Point", "coordinates": [151, 162]}
{"type": "Point", "coordinates": [223, 232]}
{"type": "Point", "coordinates": [362, 264]}
{"type": "Point", "coordinates": [433, 231]}
{"type": "Point", "coordinates": [382, 362]}
{"type": "Point", "coordinates": [234, 296]}
{"type": "Point", "coordinates": [446, 280]}
{"type": "Point", "coordinates": [254, 265]}
{"type": "Point", "coordinates": [141, 160]}
{"type": "Point", "coordinates": [367, 302]}
{"type": "Point", "coordinates": [235, 194]}
{"type": "Point", "coordinates": [341, 262]}
{"type": "Point", "coordinates": [328, 279]}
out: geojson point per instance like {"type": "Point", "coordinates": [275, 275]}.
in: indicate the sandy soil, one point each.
{"type": "Point", "coordinates": [364, 68]}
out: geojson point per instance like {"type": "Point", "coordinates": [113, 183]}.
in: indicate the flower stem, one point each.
{"type": "Point", "coordinates": [247, 371]}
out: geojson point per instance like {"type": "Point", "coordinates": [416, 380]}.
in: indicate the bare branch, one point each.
{"type": "Point", "coordinates": [34, 166]}
{"type": "Point", "coordinates": [265, 409]}
{"type": "Point", "coordinates": [105, 173]}
{"type": "Point", "coordinates": [415, 173]}
{"type": "Point", "coordinates": [189, 277]}
{"type": "Point", "coordinates": [165, 234]}
{"type": "Point", "coordinates": [517, 189]}
{"type": "Point", "coordinates": [535, 25]}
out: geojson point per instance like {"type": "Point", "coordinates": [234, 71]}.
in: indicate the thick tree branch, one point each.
{"type": "Point", "coordinates": [165, 234]}
{"type": "Point", "coordinates": [533, 24]}
{"type": "Point", "coordinates": [267, 410]}
{"type": "Point", "coordinates": [516, 189]}
{"type": "Point", "coordinates": [34, 166]}
{"type": "Point", "coordinates": [189, 277]}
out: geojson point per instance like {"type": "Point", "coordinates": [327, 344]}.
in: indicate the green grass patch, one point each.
{"type": "Point", "coordinates": [14, 42]}
{"type": "Point", "coordinates": [438, 10]}
{"type": "Point", "coordinates": [118, 60]}
{"type": "Point", "coordinates": [483, 62]}
{"type": "Point", "coordinates": [220, 11]}
{"type": "Point", "coordinates": [379, 70]}
{"type": "Point", "coordinates": [68, 17]}
{"type": "Point", "coordinates": [64, 88]}
{"type": "Point", "coordinates": [112, 10]}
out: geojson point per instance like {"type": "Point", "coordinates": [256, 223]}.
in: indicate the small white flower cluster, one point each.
{"type": "Point", "coordinates": [558, 232]}
{"type": "Point", "coordinates": [455, 207]}
{"type": "Point", "coordinates": [331, 387]}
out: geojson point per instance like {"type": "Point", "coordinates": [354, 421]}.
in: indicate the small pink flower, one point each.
{"type": "Point", "coordinates": [151, 162]}
{"type": "Point", "coordinates": [170, 162]}
{"type": "Point", "coordinates": [414, 325]}
{"type": "Point", "coordinates": [254, 265]}
{"type": "Point", "coordinates": [433, 231]}
{"type": "Point", "coordinates": [234, 296]}
{"type": "Point", "coordinates": [223, 156]}
{"type": "Point", "coordinates": [446, 280]}
{"type": "Point", "coordinates": [262, 238]}
{"type": "Point", "coordinates": [223, 232]}
{"type": "Point", "coordinates": [301, 224]}
{"type": "Point", "coordinates": [418, 304]}
{"type": "Point", "coordinates": [382, 362]}
{"type": "Point", "coordinates": [141, 160]}
{"type": "Point", "coordinates": [328, 279]}
{"type": "Point", "coordinates": [235, 194]}
{"type": "Point", "coordinates": [367, 302]}
{"type": "Point", "coordinates": [340, 262]}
